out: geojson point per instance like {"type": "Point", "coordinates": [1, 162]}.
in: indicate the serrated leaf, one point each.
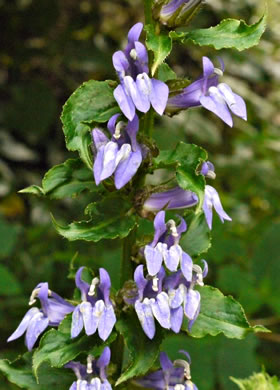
{"type": "Point", "coordinates": [68, 180]}
{"type": "Point", "coordinates": [259, 381]}
{"type": "Point", "coordinates": [186, 159]}
{"type": "Point", "coordinates": [160, 44]}
{"type": "Point", "coordinates": [57, 348]}
{"type": "Point", "coordinates": [230, 33]}
{"type": "Point", "coordinates": [197, 239]}
{"type": "Point", "coordinates": [92, 102]}
{"type": "Point", "coordinates": [220, 314]}
{"type": "Point", "coordinates": [109, 219]}
{"type": "Point", "coordinates": [142, 351]}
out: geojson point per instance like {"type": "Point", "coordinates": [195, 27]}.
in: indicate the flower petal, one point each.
{"type": "Point", "coordinates": [107, 322]}
{"type": "Point", "coordinates": [24, 323]}
{"type": "Point", "coordinates": [125, 102]}
{"type": "Point", "coordinates": [176, 297]}
{"type": "Point", "coordinates": [111, 125]}
{"type": "Point", "coordinates": [105, 358]}
{"type": "Point", "coordinates": [105, 284]}
{"type": "Point", "coordinates": [140, 280]}
{"type": "Point", "coordinates": [81, 284]}
{"type": "Point", "coordinates": [212, 196]}
{"type": "Point", "coordinates": [208, 67]}
{"type": "Point", "coordinates": [99, 138]}
{"type": "Point", "coordinates": [234, 101]}
{"type": "Point", "coordinates": [77, 322]}
{"type": "Point", "coordinates": [127, 168]}
{"type": "Point", "coordinates": [159, 95]}
{"type": "Point", "coordinates": [89, 321]}
{"type": "Point", "coordinates": [172, 257]}
{"type": "Point", "coordinates": [192, 304]}
{"type": "Point", "coordinates": [109, 164]}
{"type": "Point", "coordinates": [165, 362]}
{"type": "Point", "coordinates": [133, 35]}
{"type": "Point", "coordinates": [120, 63]}
{"type": "Point", "coordinates": [177, 319]}
{"type": "Point", "coordinates": [36, 326]}
{"type": "Point", "coordinates": [159, 226]}
{"type": "Point", "coordinates": [154, 259]}
{"type": "Point", "coordinates": [216, 103]}
{"type": "Point", "coordinates": [146, 318]}
{"type": "Point", "coordinates": [186, 266]}
{"type": "Point", "coordinates": [161, 310]}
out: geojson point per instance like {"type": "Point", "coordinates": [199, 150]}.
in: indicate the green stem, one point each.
{"type": "Point", "coordinates": [126, 265]}
{"type": "Point", "coordinates": [148, 12]}
{"type": "Point", "coordinates": [149, 123]}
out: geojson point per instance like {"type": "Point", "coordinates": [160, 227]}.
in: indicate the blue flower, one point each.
{"type": "Point", "coordinates": [121, 155]}
{"type": "Point", "coordinates": [96, 311]}
{"type": "Point", "coordinates": [137, 89]}
{"type": "Point", "coordinates": [93, 375]}
{"type": "Point", "coordinates": [53, 310]}
{"type": "Point", "coordinates": [212, 95]}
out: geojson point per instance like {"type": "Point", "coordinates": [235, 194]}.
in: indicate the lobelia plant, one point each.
{"type": "Point", "coordinates": [162, 290]}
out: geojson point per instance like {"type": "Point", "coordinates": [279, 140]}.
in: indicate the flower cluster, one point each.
{"type": "Point", "coordinates": [93, 375]}
{"type": "Point", "coordinates": [167, 297]}
{"type": "Point", "coordinates": [175, 376]}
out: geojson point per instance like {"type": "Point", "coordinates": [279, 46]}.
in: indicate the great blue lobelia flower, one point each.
{"type": "Point", "coordinates": [93, 375]}
{"type": "Point", "coordinates": [137, 89]}
{"type": "Point", "coordinates": [121, 156]}
{"type": "Point", "coordinates": [212, 95]}
{"type": "Point", "coordinates": [171, 376]}
{"type": "Point", "coordinates": [165, 248]}
{"type": "Point", "coordinates": [177, 198]}
{"type": "Point", "coordinates": [52, 312]}
{"type": "Point", "coordinates": [96, 311]}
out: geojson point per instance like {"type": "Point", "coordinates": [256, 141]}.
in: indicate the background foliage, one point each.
{"type": "Point", "coordinates": [50, 48]}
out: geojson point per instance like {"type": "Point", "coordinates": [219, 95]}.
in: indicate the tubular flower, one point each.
{"type": "Point", "coordinates": [121, 156]}
{"type": "Point", "coordinates": [212, 95]}
{"type": "Point", "coordinates": [211, 197]}
{"type": "Point", "coordinates": [137, 89]}
{"type": "Point", "coordinates": [96, 311]}
{"type": "Point", "coordinates": [52, 312]}
{"type": "Point", "coordinates": [177, 12]}
{"type": "Point", "coordinates": [175, 198]}
{"type": "Point", "coordinates": [171, 376]}
{"type": "Point", "coordinates": [165, 248]}
{"type": "Point", "coordinates": [93, 375]}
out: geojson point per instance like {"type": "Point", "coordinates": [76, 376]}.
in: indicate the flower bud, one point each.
{"type": "Point", "coordinates": [175, 13]}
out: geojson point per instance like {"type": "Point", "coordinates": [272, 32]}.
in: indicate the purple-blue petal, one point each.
{"type": "Point", "coordinates": [186, 266]}
{"type": "Point", "coordinates": [111, 125]}
{"type": "Point", "coordinates": [161, 310]}
{"type": "Point", "coordinates": [159, 95]}
{"type": "Point", "coordinates": [77, 322]}
{"type": "Point", "coordinates": [107, 322]}
{"type": "Point", "coordinates": [177, 316]}
{"type": "Point", "coordinates": [127, 168]}
{"type": "Point", "coordinates": [36, 326]}
{"type": "Point", "coordinates": [125, 102]}
{"type": "Point", "coordinates": [208, 67]}
{"type": "Point", "coordinates": [192, 304]}
{"type": "Point", "coordinates": [146, 318]}
{"type": "Point", "coordinates": [105, 284]}
{"type": "Point", "coordinates": [172, 257]}
{"type": "Point", "coordinates": [153, 259]}
{"type": "Point", "coordinates": [159, 226]}
{"type": "Point", "coordinates": [99, 138]}
{"type": "Point", "coordinates": [24, 323]}
{"type": "Point", "coordinates": [216, 104]}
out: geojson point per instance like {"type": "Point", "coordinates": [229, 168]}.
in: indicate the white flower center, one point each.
{"type": "Point", "coordinates": [218, 72]}
{"type": "Point", "coordinates": [133, 54]}
{"type": "Point", "coordinates": [172, 226]}
{"type": "Point", "coordinates": [155, 284]}
{"type": "Point", "coordinates": [34, 294]}
{"type": "Point", "coordinates": [93, 285]}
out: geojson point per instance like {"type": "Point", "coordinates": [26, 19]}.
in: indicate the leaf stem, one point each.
{"type": "Point", "coordinates": [148, 11]}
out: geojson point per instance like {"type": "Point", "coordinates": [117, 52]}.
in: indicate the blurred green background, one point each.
{"type": "Point", "coordinates": [49, 47]}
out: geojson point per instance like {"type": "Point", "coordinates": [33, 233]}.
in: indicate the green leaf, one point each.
{"type": "Point", "coordinates": [20, 373]}
{"type": "Point", "coordinates": [57, 348]}
{"type": "Point", "coordinates": [8, 283]}
{"type": "Point", "coordinates": [34, 190]}
{"type": "Point", "coordinates": [9, 233]}
{"type": "Point", "coordinates": [229, 33]}
{"type": "Point", "coordinates": [161, 45]}
{"type": "Point", "coordinates": [221, 314]}
{"type": "Point", "coordinates": [68, 179]}
{"type": "Point", "coordinates": [165, 73]}
{"type": "Point", "coordinates": [186, 158]}
{"type": "Point", "coordinates": [110, 218]}
{"type": "Point", "coordinates": [197, 239]}
{"type": "Point", "coordinates": [92, 102]}
{"type": "Point", "coordinates": [142, 351]}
